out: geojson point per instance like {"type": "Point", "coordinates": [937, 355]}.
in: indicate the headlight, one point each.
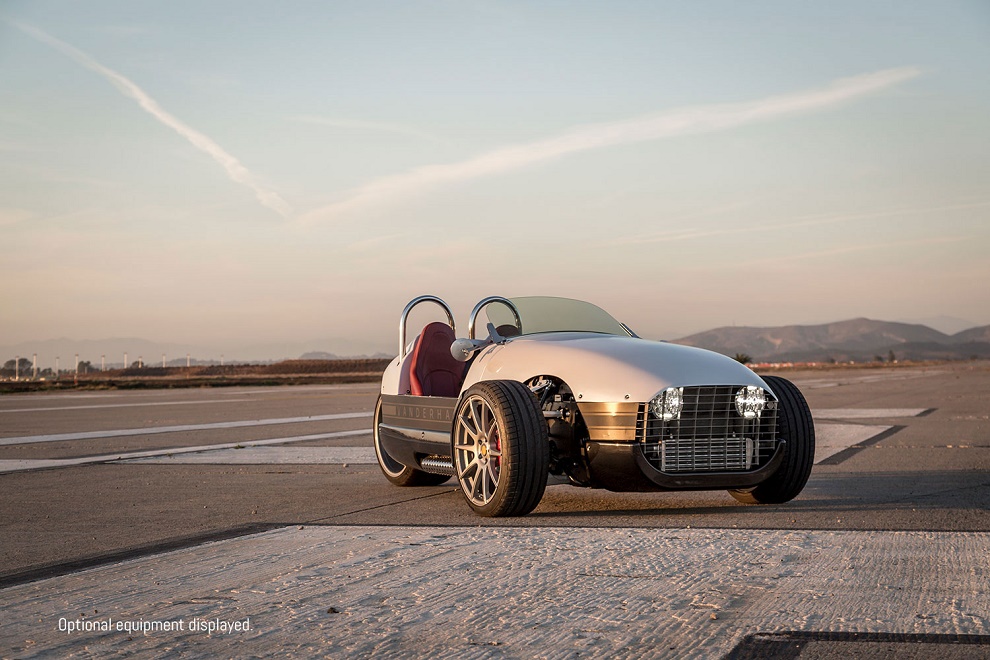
{"type": "Point", "coordinates": [667, 405]}
{"type": "Point", "coordinates": [750, 401]}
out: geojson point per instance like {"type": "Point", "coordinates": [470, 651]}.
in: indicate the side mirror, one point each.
{"type": "Point", "coordinates": [462, 349]}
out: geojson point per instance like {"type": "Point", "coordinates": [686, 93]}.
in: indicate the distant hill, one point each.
{"type": "Point", "coordinates": [950, 325]}
{"type": "Point", "coordinates": [855, 339]}
{"type": "Point", "coordinates": [973, 334]}
{"type": "Point", "coordinates": [318, 355]}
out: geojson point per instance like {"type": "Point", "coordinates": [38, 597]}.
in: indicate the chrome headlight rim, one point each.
{"type": "Point", "coordinates": [668, 404]}
{"type": "Point", "coordinates": [751, 401]}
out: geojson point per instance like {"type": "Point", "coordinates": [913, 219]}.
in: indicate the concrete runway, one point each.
{"type": "Point", "coordinates": [103, 491]}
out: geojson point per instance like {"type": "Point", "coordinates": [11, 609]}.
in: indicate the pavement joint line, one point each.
{"type": "Point", "coordinates": [316, 521]}
{"type": "Point", "coordinates": [16, 465]}
{"type": "Point", "coordinates": [152, 430]}
{"type": "Point", "coordinates": [58, 569]}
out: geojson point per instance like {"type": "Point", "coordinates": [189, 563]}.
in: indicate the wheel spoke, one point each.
{"type": "Point", "coordinates": [469, 422]}
{"type": "Point", "coordinates": [471, 480]}
{"type": "Point", "coordinates": [472, 463]}
{"type": "Point", "coordinates": [466, 439]}
{"type": "Point", "coordinates": [485, 492]}
{"type": "Point", "coordinates": [493, 474]}
{"type": "Point", "coordinates": [477, 416]}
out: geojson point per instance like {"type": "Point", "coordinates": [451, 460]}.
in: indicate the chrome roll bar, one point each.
{"type": "Point", "coordinates": [483, 303]}
{"type": "Point", "coordinates": [405, 315]}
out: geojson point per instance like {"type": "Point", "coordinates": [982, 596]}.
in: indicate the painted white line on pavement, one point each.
{"type": "Point", "coordinates": [830, 439]}
{"type": "Point", "coordinates": [151, 430]}
{"type": "Point", "coordinates": [271, 456]}
{"type": "Point", "coordinates": [22, 465]}
{"type": "Point", "coordinates": [125, 405]}
{"type": "Point", "coordinates": [865, 413]}
{"type": "Point", "coordinates": [369, 591]}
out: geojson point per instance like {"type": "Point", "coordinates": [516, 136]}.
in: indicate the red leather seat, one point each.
{"type": "Point", "coordinates": [433, 371]}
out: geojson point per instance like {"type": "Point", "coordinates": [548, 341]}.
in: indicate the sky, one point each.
{"type": "Point", "coordinates": [233, 174]}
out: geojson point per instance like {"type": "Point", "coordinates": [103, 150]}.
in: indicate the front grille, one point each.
{"type": "Point", "coordinates": [709, 436]}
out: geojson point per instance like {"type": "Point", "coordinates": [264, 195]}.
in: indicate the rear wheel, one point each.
{"type": "Point", "coordinates": [396, 472]}
{"type": "Point", "coordinates": [796, 427]}
{"type": "Point", "coordinates": [500, 447]}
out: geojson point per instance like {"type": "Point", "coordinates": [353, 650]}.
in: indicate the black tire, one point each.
{"type": "Point", "coordinates": [500, 448]}
{"type": "Point", "coordinates": [396, 472]}
{"type": "Point", "coordinates": [796, 427]}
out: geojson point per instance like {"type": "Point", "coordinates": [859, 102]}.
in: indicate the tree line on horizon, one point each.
{"type": "Point", "coordinates": [23, 368]}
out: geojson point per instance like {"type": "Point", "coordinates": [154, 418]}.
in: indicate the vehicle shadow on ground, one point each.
{"type": "Point", "coordinates": [946, 500]}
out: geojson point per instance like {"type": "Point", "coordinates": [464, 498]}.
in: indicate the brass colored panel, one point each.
{"type": "Point", "coordinates": [610, 422]}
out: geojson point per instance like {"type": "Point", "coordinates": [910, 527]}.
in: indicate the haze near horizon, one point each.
{"type": "Point", "coordinates": [238, 174]}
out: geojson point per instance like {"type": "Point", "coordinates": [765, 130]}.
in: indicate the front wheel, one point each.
{"type": "Point", "coordinates": [500, 448]}
{"type": "Point", "coordinates": [396, 472]}
{"type": "Point", "coordinates": [796, 427]}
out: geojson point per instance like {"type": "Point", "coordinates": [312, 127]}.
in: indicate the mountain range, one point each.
{"type": "Point", "coordinates": [856, 339]}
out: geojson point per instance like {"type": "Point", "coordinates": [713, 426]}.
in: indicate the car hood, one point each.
{"type": "Point", "coordinates": [600, 367]}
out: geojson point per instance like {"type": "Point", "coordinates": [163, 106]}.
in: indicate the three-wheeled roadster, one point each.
{"type": "Point", "coordinates": [559, 387]}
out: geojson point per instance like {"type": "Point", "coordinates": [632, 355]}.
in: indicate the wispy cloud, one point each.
{"type": "Point", "coordinates": [851, 249]}
{"type": "Point", "coordinates": [235, 170]}
{"type": "Point", "coordinates": [701, 119]}
{"type": "Point", "coordinates": [11, 217]}
{"type": "Point", "coordinates": [798, 223]}
{"type": "Point", "coordinates": [357, 124]}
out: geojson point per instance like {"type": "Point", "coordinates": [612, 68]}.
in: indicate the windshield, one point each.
{"type": "Point", "coordinates": [547, 314]}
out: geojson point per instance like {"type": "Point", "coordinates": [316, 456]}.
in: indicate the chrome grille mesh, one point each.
{"type": "Point", "coordinates": [709, 436]}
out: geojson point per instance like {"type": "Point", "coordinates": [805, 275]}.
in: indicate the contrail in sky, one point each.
{"type": "Point", "coordinates": [237, 172]}
{"type": "Point", "coordinates": [700, 119]}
